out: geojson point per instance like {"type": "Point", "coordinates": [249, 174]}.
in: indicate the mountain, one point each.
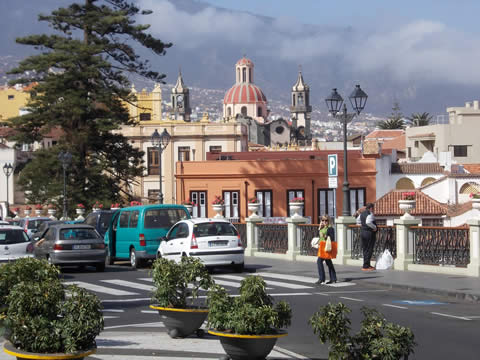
{"type": "Point", "coordinates": [207, 42]}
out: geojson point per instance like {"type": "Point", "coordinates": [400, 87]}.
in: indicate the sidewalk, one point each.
{"type": "Point", "coordinates": [454, 286]}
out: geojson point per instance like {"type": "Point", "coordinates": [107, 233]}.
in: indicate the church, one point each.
{"type": "Point", "coordinates": [246, 103]}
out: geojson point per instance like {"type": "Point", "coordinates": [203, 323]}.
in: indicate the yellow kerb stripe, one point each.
{"type": "Point", "coordinates": [271, 336]}
{"type": "Point", "coordinates": [178, 310]}
{"type": "Point", "coordinates": [49, 356]}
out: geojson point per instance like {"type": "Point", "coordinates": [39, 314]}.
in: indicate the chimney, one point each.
{"type": "Point", "coordinates": [467, 104]}
{"type": "Point", "coordinates": [475, 104]}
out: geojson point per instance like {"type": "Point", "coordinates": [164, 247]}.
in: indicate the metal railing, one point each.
{"type": "Point", "coordinates": [441, 245]}
{"type": "Point", "coordinates": [242, 231]}
{"type": "Point", "coordinates": [307, 233]}
{"type": "Point", "coordinates": [386, 239]}
{"type": "Point", "coordinates": [272, 238]}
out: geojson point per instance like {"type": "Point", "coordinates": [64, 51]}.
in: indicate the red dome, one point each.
{"type": "Point", "coordinates": [245, 61]}
{"type": "Point", "coordinates": [244, 93]}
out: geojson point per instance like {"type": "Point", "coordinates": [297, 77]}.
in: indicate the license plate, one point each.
{"type": "Point", "coordinates": [217, 243]}
{"type": "Point", "coordinates": [81, 247]}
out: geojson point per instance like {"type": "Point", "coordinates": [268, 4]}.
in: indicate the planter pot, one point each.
{"type": "Point", "coordinates": [254, 208]}
{"type": "Point", "coordinates": [38, 212]}
{"type": "Point", "coordinates": [218, 208]}
{"type": "Point", "coordinates": [189, 208]}
{"type": "Point", "coordinates": [27, 212]}
{"type": "Point", "coordinates": [247, 347]}
{"type": "Point", "coordinates": [80, 211]}
{"type": "Point", "coordinates": [182, 322]}
{"type": "Point", "coordinates": [95, 209]}
{"type": "Point", "coordinates": [296, 208]}
{"type": "Point", "coordinates": [406, 206]}
{"type": "Point", "coordinates": [51, 212]}
{"type": "Point", "coordinates": [20, 354]}
{"type": "Point", "coordinates": [114, 208]}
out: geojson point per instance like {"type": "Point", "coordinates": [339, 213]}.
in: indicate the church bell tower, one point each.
{"type": "Point", "coordinates": [301, 109]}
{"type": "Point", "coordinates": [180, 100]}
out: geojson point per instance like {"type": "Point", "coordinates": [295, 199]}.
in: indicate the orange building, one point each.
{"type": "Point", "coordinates": [274, 177]}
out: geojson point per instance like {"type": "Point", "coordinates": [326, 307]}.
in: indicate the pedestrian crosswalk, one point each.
{"type": "Point", "coordinates": [142, 286]}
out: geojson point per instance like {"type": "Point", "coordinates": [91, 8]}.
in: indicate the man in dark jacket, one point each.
{"type": "Point", "coordinates": [368, 232]}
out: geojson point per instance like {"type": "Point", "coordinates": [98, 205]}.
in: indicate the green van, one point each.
{"type": "Point", "coordinates": [134, 232]}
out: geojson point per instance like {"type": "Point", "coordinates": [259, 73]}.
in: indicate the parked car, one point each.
{"type": "Point", "coordinates": [14, 243]}
{"type": "Point", "coordinates": [31, 224]}
{"type": "Point", "coordinates": [14, 222]}
{"type": "Point", "coordinates": [214, 241]}
{"type": "Point", "coordinates": [72, 244]}
{"type": "Point", "coordinates": [135, 232]}
{"type": "Point", "coordinates": [43, 226]}
{"type": "Point", "coordinates": [100, 220]}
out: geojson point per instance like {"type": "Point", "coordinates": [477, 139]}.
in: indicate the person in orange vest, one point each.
{"type": "Point", "coordinates": [324, 254]}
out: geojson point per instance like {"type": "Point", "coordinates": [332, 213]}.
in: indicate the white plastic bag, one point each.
{"type": "Point", "coordinates": [384, 261]}
{"type": "Point", "coordinates": [314, 242]}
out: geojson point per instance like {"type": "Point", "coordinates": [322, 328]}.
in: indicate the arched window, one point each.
{"type": "Point", "coordinates": [300, 99]}
{"type": "Point", "coordinates": [229, 111]}
{"type": "Point", "coordinates": [244, 75]}
{"type": "Point", "coordinates": [259, 111]}
{"type": "Point", "coordinates": [249, 75]}
{"type": "Point", "coordinates": [238, 75]}
{"type": "Point", "coordinates": [427, 181]}
{"type": "Point", "coordinates": [469, 188]}
{"type": "Point", "coordinates": [404, 184]}
{"type": "Point", "coordinates": [244, 110]}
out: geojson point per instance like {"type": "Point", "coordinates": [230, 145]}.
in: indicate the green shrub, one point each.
{"type": "Point", "coordinates": [40, 320]}
{"type": "Point", "coordinates": [24, 269]}
{"type": "Point", "coordinates": [175, 283]}
{"type": "Point", "coordinates": [252, 313]}
{"type": "Point", "coordinates": [377, 338]}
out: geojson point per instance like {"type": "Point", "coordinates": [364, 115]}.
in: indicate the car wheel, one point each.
{"type": "Point", "coordinates": [133, 258]}
{"type": "Point", "coordinates": [239, 267]}
{"type": "Point", "coordinates": [100, 267]}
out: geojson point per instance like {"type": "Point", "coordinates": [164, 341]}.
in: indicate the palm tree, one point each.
{"type": "Point", "coordinates": [417, 119]}
{"type": "Point", "coordinates": [391, 124]}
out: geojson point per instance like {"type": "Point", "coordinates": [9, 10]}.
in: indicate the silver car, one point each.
{"type": "Point", "coordinates": [73, 245]}
{"type": "Point", "coordinates": [14, 243]}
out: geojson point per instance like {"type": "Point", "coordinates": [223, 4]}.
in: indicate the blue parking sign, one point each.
{"type": "Point", "coordinates": [332, 165]}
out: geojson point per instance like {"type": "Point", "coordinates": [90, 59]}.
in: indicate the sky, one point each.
{"type": "Point", "coordinates": [424, 40]}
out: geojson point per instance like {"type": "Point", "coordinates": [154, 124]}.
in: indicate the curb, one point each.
{"type": "Point", "coordinates": [457, 295]}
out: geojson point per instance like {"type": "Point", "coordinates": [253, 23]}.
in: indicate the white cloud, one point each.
{"type": "Point", "coordinates": [421, 50]}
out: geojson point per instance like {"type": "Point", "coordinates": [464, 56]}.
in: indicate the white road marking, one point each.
{"type": "Point", "coordinates": [227, 283]}
{"type": "Point", "coordinates": [355, 291]}
{"type": "Point", "coordinates": [395, 306]}
{"type": "Point", "coordinates": [305, 279]}
{"type": "Point", "coordinates": [473, 317]}
{"type": "Point", "coordinates": [101, 289]}
{"type": "Point", "coordinates": [291, 294]}
{"type": "Point", "coordinates": [349, 298]}
{"type": "Point", "coordinates": [146, 279]}
{"type": "Point", "coordinates": [113, 310]}
{"type": "Point", "coordinates": [341, 284]}
{"type": "Point", "coordinates": [111, 317]}
{"type": "Point", "coordinates": [154, 325]}
{"type": "Point", "coordinates": [131, 284]}
{"type": "Point", "coordinates": [125, 300]}
{"type": "Point", "coordinates": [323, 294]}
{"type": "Point", "coordinates": [451, 316]}
{"type": "Point", "coordinates": [149, 311]}
{"type": "Point", "coordinates": [269, 282]}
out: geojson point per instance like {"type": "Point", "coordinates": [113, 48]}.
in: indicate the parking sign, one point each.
{"type": "Point", "coordinates": [332, 165]}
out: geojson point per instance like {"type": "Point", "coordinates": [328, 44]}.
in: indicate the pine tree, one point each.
{"type": "Point", "coordinates": [82, 88]}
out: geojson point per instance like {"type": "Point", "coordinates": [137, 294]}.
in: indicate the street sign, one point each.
{"type": "Point", "coordinates": [332, 165]}
{"type": "Point", "coordinates": [332, 182]}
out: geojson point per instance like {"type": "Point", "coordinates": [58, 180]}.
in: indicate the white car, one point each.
{"type": "Point", "coordinates": [215, 242]}
{"type": "Point", "coordinates": [14, 243]}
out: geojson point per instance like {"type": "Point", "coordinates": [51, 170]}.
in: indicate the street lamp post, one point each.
{"type": "Point", "coordinates": [7, 169]}
{"type": "Point", "coordinates": [160, 141]}
{"type": "Point", "coordinates": [65, 158]}
{"type": "Point", "coordinates": [358, 99]}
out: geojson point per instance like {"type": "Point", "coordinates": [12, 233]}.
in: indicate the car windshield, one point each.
{"type": "Point", "coordinates": [78, 234]}
{"type": "Point", "coordinates": [12, 236]}
{"type": "Point", "coordinates": [163, 218]}
{"type": "Point", "coordinates": [213, 229]}
{"type": "Point", "coordinates": [35, 224]}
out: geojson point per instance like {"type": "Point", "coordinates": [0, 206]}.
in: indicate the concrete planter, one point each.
{"type": "Point", "coordinates": [476, 204]}
{"type": "Point", "coordinates": [38, 212]}
{"type": "Point", "coordinates": [254, 208]}
{"type": "Point", "coordinates": [181, 323]}
{"type": "Point", "coordinates": [189, 208]}
{"type": "Point", "coordinates": [27, 212]}
{"type": "Point", "coordinates": [218, 208]}
{"type": "Point", "coordinates": [296, 208]}
{"type": "Point", "coordinates": [20, 354]}
{"type": "Point", "coordinates": [406, 206]}
{"type": "Point", "coordinates": [247, 347]}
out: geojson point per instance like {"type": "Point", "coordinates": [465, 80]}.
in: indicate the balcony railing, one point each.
{"type": "Point", "coordinates": [242, 231]}
{"type": "Point", "coordinates": [307, 233]}
{"type": "Point", "coordinates": [273, 238]}
{"type": "Point", "coordinates": [441, 245]}
{"type": "Point", "coordinates": [386, 239]}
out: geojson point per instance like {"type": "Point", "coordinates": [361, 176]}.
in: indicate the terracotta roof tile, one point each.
{"type": "Point", "coordinates": [387, 205]}
{"type": "Point", "coordinates": [459, 209]}
{"type": "Point", "coordinates": [417, 168]}
{"type": "Point", "coordinates": [385, 134]}
{"type": "Point", "coordinates": [398, 143]}
{"type": "Point", "coordinates": [472, 168]}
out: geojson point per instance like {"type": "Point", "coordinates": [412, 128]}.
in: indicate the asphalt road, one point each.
{"type": "Point", "coordinates": [444, 329]}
